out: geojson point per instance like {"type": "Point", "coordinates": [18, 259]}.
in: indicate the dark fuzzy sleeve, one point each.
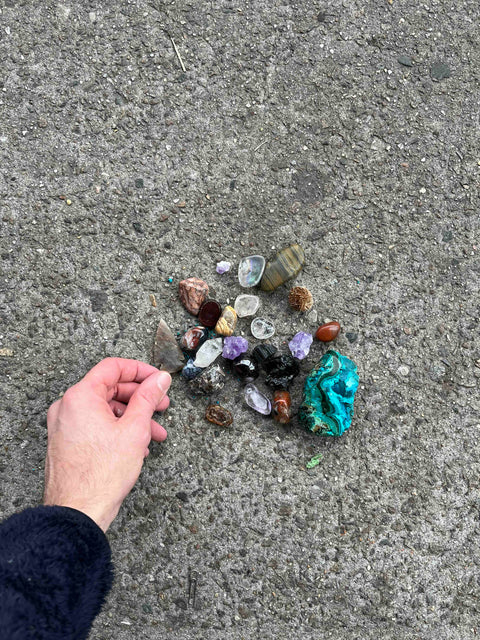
{"type": "Point", "coordinates": [55, 571]}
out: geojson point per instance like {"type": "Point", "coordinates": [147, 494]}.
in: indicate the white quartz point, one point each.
{"type": "Point", "coordinates": [250, 270]}
{"type": "Point", "coordinates": [262, 328]}
{"type": "Point", "coordinates": [208, 352]}
{"type": "Point", "coordinates": [255, 399]}
{"type": "Point", "coordinates": [246, 305]}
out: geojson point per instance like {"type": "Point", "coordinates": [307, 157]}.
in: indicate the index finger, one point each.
{"type": "Point", "coordinates": [111, 371]}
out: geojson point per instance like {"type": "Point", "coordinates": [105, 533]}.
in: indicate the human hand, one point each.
{"type": "Point", "coordinates": [98, 436]}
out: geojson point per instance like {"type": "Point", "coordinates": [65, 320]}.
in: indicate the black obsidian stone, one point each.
{"type": "Point", "coordinates": [281, 370]}
{"type": "Point", "coordinates": [263, 352]}
{"type": "Point", "coordinates": [245, 367]}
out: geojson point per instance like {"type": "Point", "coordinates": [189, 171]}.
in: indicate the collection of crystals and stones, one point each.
{"type": "Point", "coordinates": [327, 406]}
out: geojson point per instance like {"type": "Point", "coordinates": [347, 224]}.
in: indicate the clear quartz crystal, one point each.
{"type": "Point", "coordinates": [208, 352]}
{"type": "Point", "coordinates": [246, 305]}
{"type": "Point", "coordinates": [262, 328]}
{"type": "Point", "coordinates": [256, 400]}
{"type": "Point", "coordinates": [250, 270]}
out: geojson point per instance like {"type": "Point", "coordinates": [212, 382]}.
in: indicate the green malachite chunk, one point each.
{"type": "Point", "coordinates": [327, 407]}
{"type": "Point", "coordinates": [284, 266]}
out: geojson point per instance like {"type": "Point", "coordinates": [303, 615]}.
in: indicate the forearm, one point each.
{"type": "Point", "coordinates": [55, 571]}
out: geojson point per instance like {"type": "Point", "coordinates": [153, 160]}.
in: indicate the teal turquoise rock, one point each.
{"type": "Point", "coordinates": [327, 407]}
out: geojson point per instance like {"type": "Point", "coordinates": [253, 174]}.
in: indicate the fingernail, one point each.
{"type": "Point", "coordinates": [163, 380]}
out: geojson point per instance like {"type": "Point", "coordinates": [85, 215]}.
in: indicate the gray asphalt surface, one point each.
{"type": "Point", "coordinates": [294, 121]}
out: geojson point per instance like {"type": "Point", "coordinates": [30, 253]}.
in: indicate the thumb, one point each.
{"type": "Point", "coordinates": [148, 396]}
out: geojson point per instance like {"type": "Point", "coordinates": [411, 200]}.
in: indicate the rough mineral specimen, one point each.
{"type": "Point", "coordinates": [329, 391]}
{"type": "Point", "coordinates": [262, 329]}
{"type": "Point", "coordinates": [223, 267]}
{"type": "Point", "coordinates": [281, 370]}
{"type": "Point", "coordinates": [264, 352]}
{"type": "Point", "coordinates": [250, 270]}
{"type": "Point", "coordinates": [227, 322]}
{"type": "Point", "coordinates": [234, 346]}
{"type": "Point", "coordinates": [281, 406]}
{"type": "Point", "coordinates": [193, 293]}
{"type": "Point", "coordinates": [284, 266]}
{"type": "Point", "coordinates": [194, 338]}
{"type": "Point", "coordinates": [246, 305]}
{"type": "Point", "coordinates": [300, 345]}
{"type": "Point", "coordinates": [328, 332]}
{"type": "Point", "coordinates": [300, 299]}
{"type": "Point", "coordinates": [218, 415]}
{"type": "Point", "coordinates": [246, 368]}
{"type": "Point", "coordinates": [256, 400]}
{"type": "Point", "coordinates": [209, 382]}
{"type": "Point", "coordinates": [208, 352]}
{"type": "Point", "coordinates": [190, 371]}
{"type": "Point", "coordinates": [166, 352]}
{"type": "Point", "coordinates": [209, 313]}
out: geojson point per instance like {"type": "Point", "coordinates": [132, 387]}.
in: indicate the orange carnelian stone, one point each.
{"type": "Point", "coordinates": [328, 332]}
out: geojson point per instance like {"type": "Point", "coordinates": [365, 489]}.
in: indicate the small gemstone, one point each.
{"type": "Point", "coordinates": [209, 313]}
{"type": "Point", "coordinates": [218, 415]}
{"type": "Point", "coordinates": [227, 322]}
{"type": "Point", "coordinates": [281, 406]}
{"type": "Point", "coordinates": [246, 305]}
{"type": "Point", "coordinates": [234, 346]}
{"type": "Point", "coordinates": [264, 352]}
{"type": "Point", "coordinates": [223, 267]}
{"type": "Point", "coordinates": [281, 370]}
{"type": "Point", "coordinates": [193, 293]}
{"type": "Point", "coordinates": [256, 400]}
{"type": "Point", "coordinates": [208, 352]}
{"type": "Point", "coordinates": [166, 352]}
{"type": "Point", "coordinates": [190, 371]}
{"type": "Point", "coordinates": [328, 332]}
{"type": "Point", "coordinates": [284, 266]}
{"type": "Point", "coordinates": [245, 368]}
{"type": "Point", "coordinates": [300, 344]}
{"type": "Point", "coordinates": [250, 270]}
{"type": "Point", "coordinates": [209, 382]}
{"type": "Point", "coordinates": [194, 338]}
{"type": "Point", "coordinates": [262, 329]}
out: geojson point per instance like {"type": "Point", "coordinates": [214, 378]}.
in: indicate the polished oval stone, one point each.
{"type": "Point", "coordinates": [167, 355]}
{"type": "Point", "coordinates": [328, 332]}
{"type": "Point", "coordinates": [209, 313]}
{"type": "Point", "coordinates": [193, 338]}
{"type": "Point", "coordinates": [193, 293]}
{"type": "Point", "coordinates": [218, 415]}
{"type": "Point", "coordinates": [281, 406]}
{"type": "Point", "coordinates": [227, 322]}
{"type": "Point", "coordinates": [246, 305]}
{"type": "Point", "coordinates": [250, 270]}
{"type": "Point", "coordinates": [262, 329]}
{"type": "Point", "coordinates": [245, 368]}
{"type": "Point", "coordinates": [327, 407]}
{"type": "Point", "coordinates": [257, 400]}
{"type": "Point", "coordinates": [284, 266]}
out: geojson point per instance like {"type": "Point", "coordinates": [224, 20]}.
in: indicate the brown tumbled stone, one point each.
{"type": "Point", "coordinates": [218, 415]}
{"type": "Point", "coordinates": [281, 406]}
{"type": "Point", "coordinates": [328, 332]}
{"type": "Point", "coordinates": [193, 293]}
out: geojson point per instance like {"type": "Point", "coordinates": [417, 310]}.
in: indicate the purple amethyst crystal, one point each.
{"type": "Point", "coordinates": [299, 345]}
{"type": "Point", "coordinates": [234, 346]}
{"type": "Point", "coordinates": [223, 267]}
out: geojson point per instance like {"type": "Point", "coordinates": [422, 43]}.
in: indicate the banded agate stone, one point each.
{"type": "Point", "coordinates": [327, 407]}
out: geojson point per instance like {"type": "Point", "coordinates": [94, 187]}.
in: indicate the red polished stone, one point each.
{"type": "Point", "coordinates": [281, 406]}
{"type": "Point", "coordinates": [328, 332]}
{"type": "Point", "coordinates": [209, 313]}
